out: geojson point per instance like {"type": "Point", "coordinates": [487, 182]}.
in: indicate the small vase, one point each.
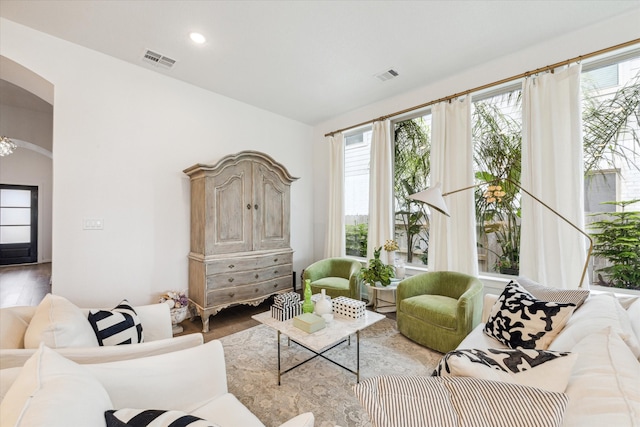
{"type": "Point", "coordinates": [307, 305]}
{"type": "Point", "coordinates": [391, 257]}
{"type": "Point", "coordinates": [324, 304]}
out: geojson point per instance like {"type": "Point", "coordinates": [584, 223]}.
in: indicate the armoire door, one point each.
{"type": "Point", "coordinates": [271, 209]}
{"type": "Point", "coordinates": [230, 206]}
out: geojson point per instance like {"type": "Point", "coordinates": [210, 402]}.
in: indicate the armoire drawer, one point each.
{"type": "Point", "coordinates": [232, 264]}
{"type": "Point", "coordinates": [240, 294]}
{"type": "Point", "coordinates": [241, 278]}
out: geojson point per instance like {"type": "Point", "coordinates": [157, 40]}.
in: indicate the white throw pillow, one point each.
{"type": "Point", "coordinates": [54, 392]}
{"type": "Point", "coordinates": [519, 320]}
{"type": "Point", "coordinates": [599, 311]}
{"type": "Point", "coordinates": [548, 370]}
{"type": "Point", "coordinates": [58, 323]}
{"type": "Point", "coordinates": [604, 388]}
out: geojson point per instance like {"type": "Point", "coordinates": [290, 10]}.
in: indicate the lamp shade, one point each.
{"type": "Point", "coordinates": [432, 196]}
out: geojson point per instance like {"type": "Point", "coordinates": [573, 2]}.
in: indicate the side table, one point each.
{"type": "Point", "coordinates": [383, 298]}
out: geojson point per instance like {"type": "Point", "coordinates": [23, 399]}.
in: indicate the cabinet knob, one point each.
{"type": "Point", "coordinates": [275, 260]}
{"type": "Point", "coordinates": [232, 295]}
{"type": "Point", "coordinates": [275, 285]}
{"type": "Point", "coordinates": [255, 207]}
{"type": "Point", "coordinates": [257, 276]}
{"type": "Point", "coordinates": [248, 205]}
{"type": "Point", "coordinates": [275, 272]}
{"type": "Point", "coordinates": [230, 279]}
{"type": "Point", "coordinates": [231, 266]}
{"type": "Point", "coordinates": [256, 290]}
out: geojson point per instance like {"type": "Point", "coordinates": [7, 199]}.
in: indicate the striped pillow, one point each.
{"type": "Point", "coordinates": [118, 326]}
{"type": "Point", "coordinates": [546, 293]}
{"type": "Point", "coordinates": [153, 418]}
{"type": "Point", "coordinates": [416, 401]}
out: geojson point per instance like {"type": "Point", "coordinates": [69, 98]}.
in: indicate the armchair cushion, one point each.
{"type": "Point", "coordinates": [338, 276]}
{"type": "Point", "coordinates": [438, 309]}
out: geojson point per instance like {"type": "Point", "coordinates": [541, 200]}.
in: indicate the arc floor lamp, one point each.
{"type": "Point", "coordinates": [434, 198]}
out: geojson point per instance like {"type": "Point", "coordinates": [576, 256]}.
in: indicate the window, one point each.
{"type": "Point", "coordinates": [611, 120]}
{"type": "Point", "coordinates": [411, 175]}
{"type": "Point", "coordinates": [497, 142]}
{"type": "Point", "coordinates": [356, 182]}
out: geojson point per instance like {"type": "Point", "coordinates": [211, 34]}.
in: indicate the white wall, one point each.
{"type": "Point", "coordinates": [608, 33]}
{"type": "Point", "coordinates": [122, 136]}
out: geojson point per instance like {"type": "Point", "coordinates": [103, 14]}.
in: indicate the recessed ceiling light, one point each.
{"type": "Point", "coordinates": [197, 38]}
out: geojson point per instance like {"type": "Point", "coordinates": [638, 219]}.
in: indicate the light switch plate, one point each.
{"type": "Point", "coordinates": [93, 224]}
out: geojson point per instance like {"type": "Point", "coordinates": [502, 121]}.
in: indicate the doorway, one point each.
{"type": "Point", "coordinates": [18, 224]}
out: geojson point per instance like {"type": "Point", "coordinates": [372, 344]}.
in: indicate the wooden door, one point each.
{"type": "Point", "coordinates": [271, 209]}
{"type": "Point", "coordinates": [230, 210]}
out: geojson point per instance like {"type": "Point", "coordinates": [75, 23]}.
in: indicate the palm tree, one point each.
{"type": "Point", "coordinates": [411, 174]}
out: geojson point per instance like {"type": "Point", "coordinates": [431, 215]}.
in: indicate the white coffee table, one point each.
{"type": "Point", "coordinates": [338, 331]}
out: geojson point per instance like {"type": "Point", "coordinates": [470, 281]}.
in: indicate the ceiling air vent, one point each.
{"type": "Point", "coordinates": [387, 75]}
{"type": "Point", "coordinates": [158, 59]}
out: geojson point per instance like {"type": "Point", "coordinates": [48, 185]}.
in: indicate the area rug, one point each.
{"type": "Point", "coordinates": [318, 386]}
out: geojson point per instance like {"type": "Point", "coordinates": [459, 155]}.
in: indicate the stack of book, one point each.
{"type": "Point", "coordinates": [286, 306]}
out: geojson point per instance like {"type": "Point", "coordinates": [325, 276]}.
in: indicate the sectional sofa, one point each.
{"type": "Point", "coordinates": [579, 367]}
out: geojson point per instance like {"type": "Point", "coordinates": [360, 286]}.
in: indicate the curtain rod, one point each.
{"type": "Point", "coordinates": [496, 83]}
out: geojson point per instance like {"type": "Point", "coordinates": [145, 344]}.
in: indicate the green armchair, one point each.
{"type": "Point", "coordinates": [338, 276]}
{"type": "Point", "coordinates": [438, 309]}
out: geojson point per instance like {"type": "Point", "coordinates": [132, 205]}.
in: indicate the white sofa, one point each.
{"type": "Point", "coordinates": [63, 326]}
{"type": "Point", "coordinates": [599, 387]}
{"type": "Point", "coordinates": [52, 391]}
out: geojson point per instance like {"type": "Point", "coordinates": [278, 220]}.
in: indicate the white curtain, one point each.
{"type": "Point", "coordinates": [334, 243]}
{"type": "Point", "coordinates": [381, 205]}
{"type": "Point", "coordinates": [552, 253]}
{"type": "Point", "coordinates": [452, 241]}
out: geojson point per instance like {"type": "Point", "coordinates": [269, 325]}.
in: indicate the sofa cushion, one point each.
{"type": "Point", "coordinates": [118, 326]}
{"type": "Point", "coordinates": [415, 401]}
{"type": "Point", "coordinates": [599, 312]}
{"type": "Point", "coordinates": [604, 387]}
{"type": "Point", "coordinates": [544, 369]}
{"type": "Point", "coordinates": [53, 391]}
{"type": "Point", "coordinates": [58, 323]}
{"type": "Point", "coordinates": [435, 309]}
{"type": "Point", "coordinates": [520, 320]}
{"type": "Point", "coordinates": [13, 326]}
{"type": "Point", "coordinates": [546, 293]}
{"type": "Point", "coordinates": [153, 418]}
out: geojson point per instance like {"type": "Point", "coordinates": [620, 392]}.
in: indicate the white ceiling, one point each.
{"type": "Point", "coordinates": [311, 60]}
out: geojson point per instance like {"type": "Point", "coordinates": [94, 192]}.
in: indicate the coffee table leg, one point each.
{"type": "Point", "coordinates": [357, 356]}
{"type": "Point", "coordinates": [278, 357]}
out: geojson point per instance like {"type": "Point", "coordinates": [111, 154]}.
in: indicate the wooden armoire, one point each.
{"type": "Point", "coordinates": [240, 232]}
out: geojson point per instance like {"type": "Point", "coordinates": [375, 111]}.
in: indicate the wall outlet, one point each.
{"type": "Point", "coordinates": [93, 224]}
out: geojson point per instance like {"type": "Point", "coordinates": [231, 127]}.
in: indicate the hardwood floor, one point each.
{"type": "Point", "coordinates": [24, 284]}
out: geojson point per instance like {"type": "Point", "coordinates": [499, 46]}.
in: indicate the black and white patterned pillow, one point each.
{"type": "Point", "coordinates": [519, 320]}
{"type": "Point", "coordinates": [549, 370]}
{"type": "Point", "coordinates": [118, 326]}
{"type": "Point", "coordinates": [153, 418]}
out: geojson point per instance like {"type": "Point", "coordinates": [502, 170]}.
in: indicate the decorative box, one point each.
{"type": "Point", "coordinates": [286, 306]}
{"type": "Point", "coordinates": [309, 322]}
{"type": "Point", "coordinates": [348, 307]}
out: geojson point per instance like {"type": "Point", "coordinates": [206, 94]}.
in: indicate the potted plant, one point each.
{"type": "Point", "coordinates": [377, 271]}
